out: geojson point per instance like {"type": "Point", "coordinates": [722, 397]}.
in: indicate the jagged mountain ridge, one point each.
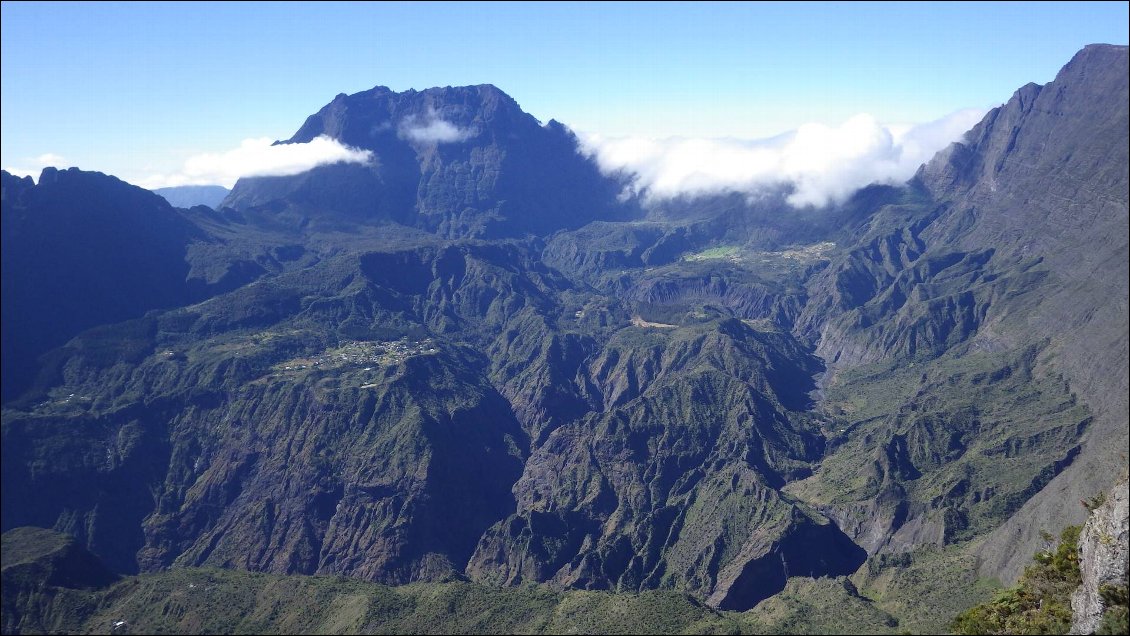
{"type": "Point", "coordinates": [621, 406]}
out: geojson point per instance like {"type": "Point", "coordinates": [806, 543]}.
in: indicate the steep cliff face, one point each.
{"type": "Point", "coordinates": [83, 249]}
{"type": "Point", "coordinates": [302, 425]}
{"type": "Point", "coordinates": [1008, 246]}
{"type": "Point", "coordinates": [1104, 549]}
{"type": "Point", "coordinates": [1040, 179]}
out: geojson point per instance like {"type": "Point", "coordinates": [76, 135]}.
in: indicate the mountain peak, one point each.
{"type": "Point", "coordinates": [1095, 66]}
{"type": "Point", "coordinates": [362, 118]}
{"type": "Point", "coordinates": [1109, 52]}
{"type": "Point", "coordinates": [1041, 125]}
{"type": "Point", "coordinates": [461, 161]}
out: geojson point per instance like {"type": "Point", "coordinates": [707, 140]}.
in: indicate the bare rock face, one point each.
{"type": "Point", "coordinates": [1103, 547]}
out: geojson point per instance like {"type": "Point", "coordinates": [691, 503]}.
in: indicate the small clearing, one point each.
{"type": "Point", "coordinates": [640, 322]}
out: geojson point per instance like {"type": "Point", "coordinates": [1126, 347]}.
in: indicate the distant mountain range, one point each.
{"type": "Point", "coordinates": [476, 360]}
{"type": "Point", "coordinates": [194, 195]}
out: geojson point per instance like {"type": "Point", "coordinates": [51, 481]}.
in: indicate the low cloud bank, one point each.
{"type": "Point", "coordinates": [824, 164]}
{"type": "Point", "coordinates": [259, 158]}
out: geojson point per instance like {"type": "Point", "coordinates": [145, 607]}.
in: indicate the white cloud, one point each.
{"type": "Point", "coordinates": [50, 159]}
{"type": "Point", "coordinates": [433, 129]}
{"type": "Point", "coordinates": [920, 143]}
{"type": "Point", "coordinates": [259, 158]}
{"type": "Point", "coordinates": [33, 166]}
{"type": "Point", "coordinates": [824, 164]}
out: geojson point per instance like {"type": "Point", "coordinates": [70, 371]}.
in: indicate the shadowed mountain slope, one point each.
{"type": "Point", "coordinates": [80, 250]}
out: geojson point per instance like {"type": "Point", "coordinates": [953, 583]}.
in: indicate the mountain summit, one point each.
{"type": "Point", "coordinates": [460, 162]}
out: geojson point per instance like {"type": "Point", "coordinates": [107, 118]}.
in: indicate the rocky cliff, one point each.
{"type": "Point", "coordinates": [1104, 550]}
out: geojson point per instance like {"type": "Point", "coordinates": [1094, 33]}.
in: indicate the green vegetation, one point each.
{"type": "Point", "coordinates": [970, 436]}
{"type": "Point", "coordinates": [226, 601]}
{"type": "Point", "coordinates": [312, 387]}
{"type": "Point", "coordinates": [186, 601]}
{"type": "Point", "coordinates": [820, 606]}
{"type": "Point", "coordinates": [27, 545]}
{"type": "Point", "coordinates": [797, 254]}
{"type": "Point", "coordinates": [924, 588]}
{"type": "Point", "coordinates": [1039, 604]}
{"type": "Point", "coordinates": [1116, 613]}
{"type": "Point", "coordinates": [48, 580]}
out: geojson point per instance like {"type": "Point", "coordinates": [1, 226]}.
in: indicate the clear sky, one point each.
{"type": "Point", "coordinates": [134, 89]}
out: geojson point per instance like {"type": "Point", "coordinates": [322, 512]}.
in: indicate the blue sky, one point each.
{"type": "Point", "coordinates": [135, 89]}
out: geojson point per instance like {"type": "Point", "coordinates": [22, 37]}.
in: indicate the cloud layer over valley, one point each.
{"type": "Point", "coordinates": [824, 164]}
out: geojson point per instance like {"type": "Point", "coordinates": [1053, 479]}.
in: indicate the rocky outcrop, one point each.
{"type": "Point", "coordinates": [1104, 545]}
{"type": "Point", "coordinates": [1013, 239]}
